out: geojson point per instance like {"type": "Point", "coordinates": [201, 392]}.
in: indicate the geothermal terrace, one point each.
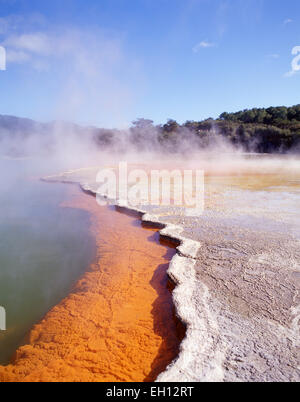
{"type": "Point", "coordinates": [236, 272]}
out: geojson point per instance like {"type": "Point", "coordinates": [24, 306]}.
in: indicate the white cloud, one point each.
{"type": "Point", "coordinates": [203, 45]}
{"type": "Point", "coordinates": [17, 56]}
{"type": "Point", "coordinates": [288, 21]}
{"type": "Point", "coordinates": [12, 23]}
{"type": "Point", "coordinates": [273, 56]}
{"type": "Point", "coordinates": [290, 73]}
{"type": "Point", "coordinates": [96, 79]}
{"type": "Point", "coordinates": [85, 51]}
{"type": "Point", "coordinates": [38, 43]}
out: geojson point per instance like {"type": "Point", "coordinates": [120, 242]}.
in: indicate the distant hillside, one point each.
{"type": "Point", "coordinates": [15, 124]}
{"type": "Point", "coordinates": [275, 129]}
{"type": "Point", "coordinates": [20, 136]}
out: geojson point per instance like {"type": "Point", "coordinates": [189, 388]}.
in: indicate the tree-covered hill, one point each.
{"type": "Point", "coordinates": [275, 116]}
{"type": "Point", "coordinates": [275, 129]}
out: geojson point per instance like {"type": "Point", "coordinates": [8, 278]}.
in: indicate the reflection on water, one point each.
{"type": "Point", "coordinates": [43, 249]}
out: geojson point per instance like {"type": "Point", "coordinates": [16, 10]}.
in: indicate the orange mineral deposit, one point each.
{"type": "Point", "coordinates": [118, 323]}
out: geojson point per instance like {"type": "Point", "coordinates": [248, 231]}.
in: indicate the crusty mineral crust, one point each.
{"type": "Point", "coordinates": [237, 273]}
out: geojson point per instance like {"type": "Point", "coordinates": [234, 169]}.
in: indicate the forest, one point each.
{"type": "Point", "coordinates": [275, 129]}
{"type": "Point", "coordinates": [270, 130]}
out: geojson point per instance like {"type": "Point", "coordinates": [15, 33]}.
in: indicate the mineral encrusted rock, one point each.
{"type": "Point", "coordinates": [237, 273]}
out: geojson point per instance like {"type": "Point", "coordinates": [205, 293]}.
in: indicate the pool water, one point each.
{"type": "Point", "coordinates": [44, 248]}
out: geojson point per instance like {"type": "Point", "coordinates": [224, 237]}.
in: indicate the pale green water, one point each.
{"type": "Point", "coordinates": [44, 249]}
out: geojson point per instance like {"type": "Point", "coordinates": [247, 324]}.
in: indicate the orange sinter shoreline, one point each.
{"type": "Point", "coordinates": [118, 323]}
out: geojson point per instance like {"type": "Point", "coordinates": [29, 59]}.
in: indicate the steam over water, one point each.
{"type": "Point", "coordinates": [251, 202]}
{"type": "Point", "coordinates": [44, 248]}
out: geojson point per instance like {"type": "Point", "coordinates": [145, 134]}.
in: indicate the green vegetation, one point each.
{"type": "Point", "coordinates": [271, 130]}
{"type": "Point", "coordinates": [275, 129]}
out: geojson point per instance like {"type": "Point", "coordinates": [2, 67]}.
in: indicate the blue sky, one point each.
{"type": "Point", "coordinates": [107, 62]}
